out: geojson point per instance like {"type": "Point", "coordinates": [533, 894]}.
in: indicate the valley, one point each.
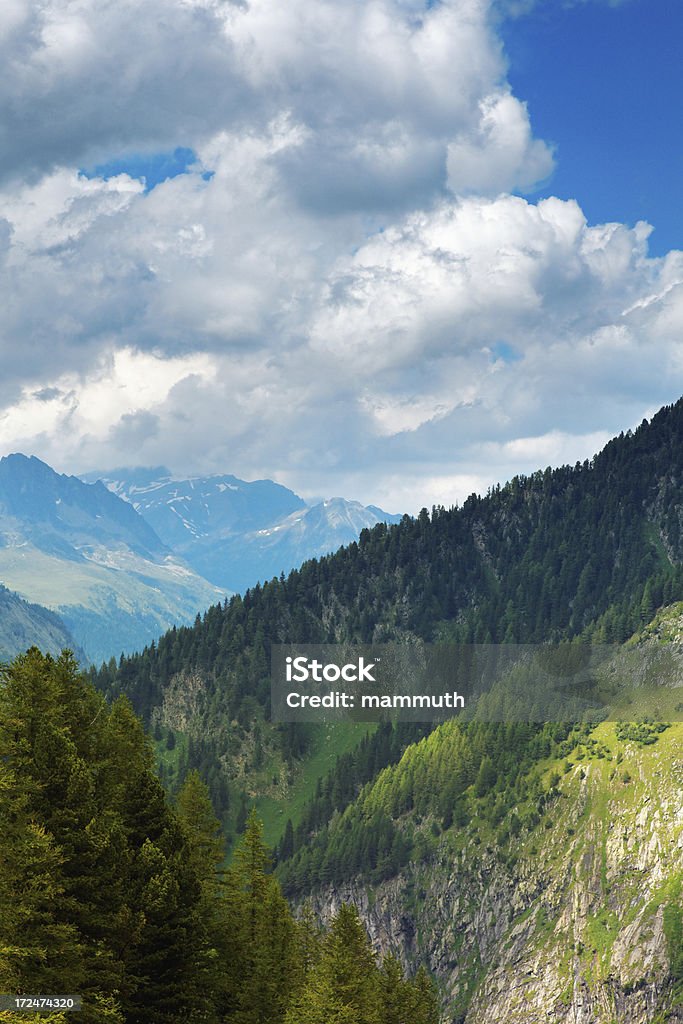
{"type": "Point", "coordinates": [533, 869]}
{"type": "Point", "coordinates": [341, 512]}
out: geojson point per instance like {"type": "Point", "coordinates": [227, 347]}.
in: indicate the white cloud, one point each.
{"type": "Point", "coordinates": [353, 302]}
{"type": "Point", "coordinates": [552, 449]}
{"type": "Point", "coordinates": [471, 271]}
{"type": "Point", "coordinates": [79, 411]}
{"type": "Point", "coordinates": [382, 87]}
{"type": "Point", "coordinates": [269, 354]}
{"type": "Point", "coordinates": [502, 155]}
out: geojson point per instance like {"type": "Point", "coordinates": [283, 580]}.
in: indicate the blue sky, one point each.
{"type": "Point", "coordinates": [604, 83]}
{"type": "Point", "coordinates": [388, 249]}
{"type": "Point", "coordinates": [152, 168]}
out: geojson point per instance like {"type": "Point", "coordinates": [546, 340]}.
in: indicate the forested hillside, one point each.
{"type": "Point", "coordinates": [109, 893]}
{"type": "Point", "coordinates": [587, 550]}
{"type": "Point", "coordinates": [536, 871]}
{"type": "Point", "coordinates": [23, 624]}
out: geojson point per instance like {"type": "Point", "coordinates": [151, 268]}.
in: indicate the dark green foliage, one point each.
{"type": "Point", "coordinates": [673, 930]}
{"type": "Point", "coordinates": [343, 985]}
{"type": "Point", "coordinates": [347, 986]}
{"type": "Point", "coordinates": [202, 830]}
{"type": "Point", "coordinates": [97, 891]}
{"type": "Point", "coordinates": [263, 932]}
{"type": "Point", "coordinates": [108, 892]}
{"type": "Point", "coordinates": [62, 857]}
{"type": "Point", "coordinates": [459, 773]}
{"type": "Point", "coordinates": [350, 773]}
{"type": "Point", "coordinates": [644, 733]}
{"type": "Point", "coordinates": [486, 777]}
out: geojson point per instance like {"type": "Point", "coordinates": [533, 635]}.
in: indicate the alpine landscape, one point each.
{"type": "Point", "coordinates": [270, 753]}
{"type": "Point", "coordinates": [525, 868]}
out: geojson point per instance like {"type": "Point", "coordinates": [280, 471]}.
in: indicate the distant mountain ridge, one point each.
{"type": "Point", "coordinates": [234, 532]}
{"type": "Point", "coordinates": [184, 509]}
{"type": "Point", "coordinates": [82, 552]}
{"type": "Point", "coordinates": [118, 564]}
{"type": "Point", "coordinates": [58, 513]}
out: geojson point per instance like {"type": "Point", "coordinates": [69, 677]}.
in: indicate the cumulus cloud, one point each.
{"type": "Point", "coordinates": [112, 403]}
{"type": "Point", "coordinates": [502, 154]}
{"type": "Point", "coordinates": [351, 301]}
{"type": "Point", "coordinates": [379, 372]}
{"type": "Point", "coordinates": [380, 87]}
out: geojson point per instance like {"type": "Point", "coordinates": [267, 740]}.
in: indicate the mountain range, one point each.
{"type": "Point", "coordinates": [234, 532]}
{"type": "Point", "coordinates": [536, 870]}
{"type": "Point", "coordinates": [77, 549]}
{"type": "Point", "coordinates": [117, 565]}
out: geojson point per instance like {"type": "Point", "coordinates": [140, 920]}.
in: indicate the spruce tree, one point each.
{"type": "Point", "coordinates": [343, 987]}
{"type": "Point", "coordinates": [161, 937]}
{"type": "Point", "coordinates": [422, 1000]}
{"type": "Point", "coordinates": [264, 968]}
{"type": "Point", "coordinates": [206, 855]}
{"type": "Point", "coordinates": [30, 891]}
{"type": "Point", "coordinates": [98, 894]}
{"type": "Point", "coordinates": [203, 833]}
{"type": "Point", "coordinates": [406, 1001]}
{"type": "Point", "coordinates": [57, 838]}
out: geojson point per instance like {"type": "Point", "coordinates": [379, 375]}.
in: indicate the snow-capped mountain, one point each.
{"type": "Point", "coordinates": [183, 511]}
{"type": "Point", "coordinates": [316, 530]}
{"type": "Point", "coordinates": [235, 532]}
{"type": "Point", "coordinates": [81, 551]}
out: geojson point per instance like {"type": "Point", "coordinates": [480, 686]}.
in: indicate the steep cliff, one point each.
{"type": "Point", "coordinates": [576, 920]}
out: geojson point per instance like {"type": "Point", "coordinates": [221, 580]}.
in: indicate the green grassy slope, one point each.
{"type": "Point", "coordinates": [549, 888]}
{"type": "Point", "coordinates": [111, 601]}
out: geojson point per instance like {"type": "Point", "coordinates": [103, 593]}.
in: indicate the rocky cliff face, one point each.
{"type": "Point", "coordinates": [578, 926]}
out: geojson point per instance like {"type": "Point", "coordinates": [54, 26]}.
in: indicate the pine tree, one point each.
{"type": "Point", "coordinates": [393, 991]}
{"type": "Point", "coordinates": [422, 1002]}
{"type": "Point", "coordinates": [343, 988]}
{"type": "Point", "coordinates": [206, 855]}
{"type": "Point", "coordinates": [57, 837]}
{"type": "Point", "coordinates": [203, 833]}
{"type": "Point", "coordinates": [161, 937]}
{"type": "Point", "coordinates": [263, 931]}
{"type": "Point", "coordinates": [308, 944]}
{"type": "Point", "coordinates": [486, 777]}
{"type": "Point", "coordinates": [287, 843]}
{"type": "Point", "coordinates": [406, 1001]}
{"type": "Point", "coordinates": [30, 890]}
